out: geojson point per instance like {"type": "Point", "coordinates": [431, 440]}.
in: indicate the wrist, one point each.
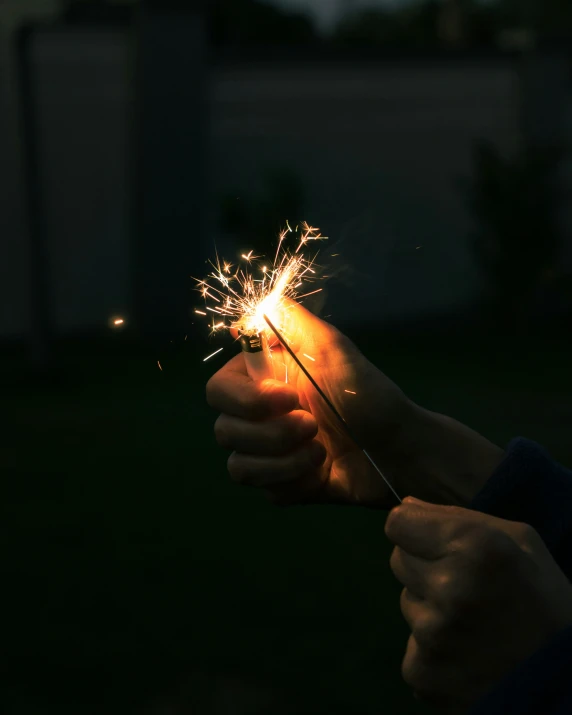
{"type": "Point", "coordinates": [443, 461]}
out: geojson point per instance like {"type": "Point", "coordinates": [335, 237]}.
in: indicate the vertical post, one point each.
{"type": "Point", "coordinates": [40, 299]}
{"type": "Point", "coordinates": [22, 216]}
{"type": "Point", "coordinates": [169, 163]}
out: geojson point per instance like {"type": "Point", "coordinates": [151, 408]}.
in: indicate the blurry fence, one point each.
{"type": "Point", "coordinates": [379, 149]}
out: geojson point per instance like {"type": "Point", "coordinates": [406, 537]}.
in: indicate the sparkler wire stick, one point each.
{"type": "Point", "coordinates": [329, 404]}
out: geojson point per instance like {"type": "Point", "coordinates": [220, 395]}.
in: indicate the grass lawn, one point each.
{"type": "Point", "coordinates": [139, 577]}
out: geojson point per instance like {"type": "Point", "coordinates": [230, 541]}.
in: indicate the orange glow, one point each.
{"type": "Point", "coordinates": [116, 321]}
{"type": "Point", "coordinates": [244, 299]}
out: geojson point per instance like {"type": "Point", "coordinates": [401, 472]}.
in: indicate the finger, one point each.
{"type": "Point", "coordinates": [257, 471]}
{"type": "Point", "coordinates": [275, 437]}
{"type": "Point", "coordinates": [411, 571]}
{"type": "Point", "coordinates": [305, 332]}
{"type": "Point", "coordinates": [425, 623]}
{"type": "Point", "coordinates": [233, 392]}
{"type": "Point", "coordinates": [436, 681]}
{"type": "Point", "coordinates": [418, 528]}
{"type": "Point", "coordinates": [413, 608]}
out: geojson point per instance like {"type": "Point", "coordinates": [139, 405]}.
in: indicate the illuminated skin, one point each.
{"type": "Point", "coordinates": [481, 595]}
{"type": "Point", "coordinates": [283, 436]}
{"type": "Point", "coordinates": [302, 455]}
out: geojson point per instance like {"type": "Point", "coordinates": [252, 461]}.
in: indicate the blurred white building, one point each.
{"type": "Point", "coordinates": [380, 148]}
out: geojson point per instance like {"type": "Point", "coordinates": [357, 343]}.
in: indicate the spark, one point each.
{"type": "Point", "coordinates": [206, 294]}
{"type": "Point", "coordinates": [351, 392]}
{"type": "Point", "coordinates": [309, 234]}
{"type": "Point", "coordinates": [186, 336]}
{"type": "Point", "coordinates": [312, 293]}
{"type": "Point", "coordinates": [213, 354]}
{"type": "Point", "coordinates": [249, 257]}
{"type": "Point", "coordinates": [160, 368]}
{"type": "Point", "coordinates": [244, 299]}
{"type": "Point", "coordinates": [418, 247]}
{"type": "Point", "coordinates": [309, 357]}
{"type": "Point", "coordinates": [119, 321]}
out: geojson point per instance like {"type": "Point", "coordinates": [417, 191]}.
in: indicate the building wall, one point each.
{"type": "Point", "coordinates": [14, 258]}
{"type": "Point", "coordinates": [381, 149]}
{"type": "Point", "coordinates": [81, 82]}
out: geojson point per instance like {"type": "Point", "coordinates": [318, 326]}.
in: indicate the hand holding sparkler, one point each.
{"type": "Point", "coordinates": [340, 430]}
{"type": "Point", "coordinates": [287, 440]}
{"type": "Point", "coordinates": [481, 596]}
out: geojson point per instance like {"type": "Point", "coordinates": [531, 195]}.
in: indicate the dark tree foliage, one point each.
{"type": "Point", "coordinates": [516, 202]}
{"type": "Point", "coordinates": [97, 12]}
{"type": "Point", "coordinates": [235, 23]}
{"type": "Point", "coordinates": [415, 26]}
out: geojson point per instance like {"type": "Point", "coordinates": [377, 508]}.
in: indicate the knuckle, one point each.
{"type": "Point", "coordinates": [300, 426]}
{"type": "Point", "coordinates": [394, 561]}
{"type": "Point", "coordinates": [455, 594]}
{"type": "Point", "coordinates": [221, 432]}
{"type": "Point", "coordinates": [211, 390]}
{"type": "Point", "coordinates": [392, 522]}
{"type": "Point", "coordinates": [497, 548]}
{"type": "Point", "coordinates": [526, 536]}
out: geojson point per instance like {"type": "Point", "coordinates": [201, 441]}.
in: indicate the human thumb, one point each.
{"type": "Point", "coordinates": [305, 332]}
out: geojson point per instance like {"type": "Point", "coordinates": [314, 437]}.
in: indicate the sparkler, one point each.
{"type": "Point", "coordinates": [242, 297]}
{"type": "Point", "coordinates": [252, 304]}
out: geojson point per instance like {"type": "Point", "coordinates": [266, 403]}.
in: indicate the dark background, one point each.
{"type": "Point", "coordinates": [430, 142]}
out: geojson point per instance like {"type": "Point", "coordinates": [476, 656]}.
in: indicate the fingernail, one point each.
{"type": "Point", "coordinates": [413, 500]}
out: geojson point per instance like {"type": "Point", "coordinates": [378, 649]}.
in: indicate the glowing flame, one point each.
{"type": "Point", "coordinates": [116, 322]}
{"type": "Point", "coordinates": [243, 300]}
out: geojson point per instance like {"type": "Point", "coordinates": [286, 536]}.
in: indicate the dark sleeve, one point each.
{"type": "Point", "coordinates": [530, 487]}
{"type": "Point", "coordinates": [539, 686]}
